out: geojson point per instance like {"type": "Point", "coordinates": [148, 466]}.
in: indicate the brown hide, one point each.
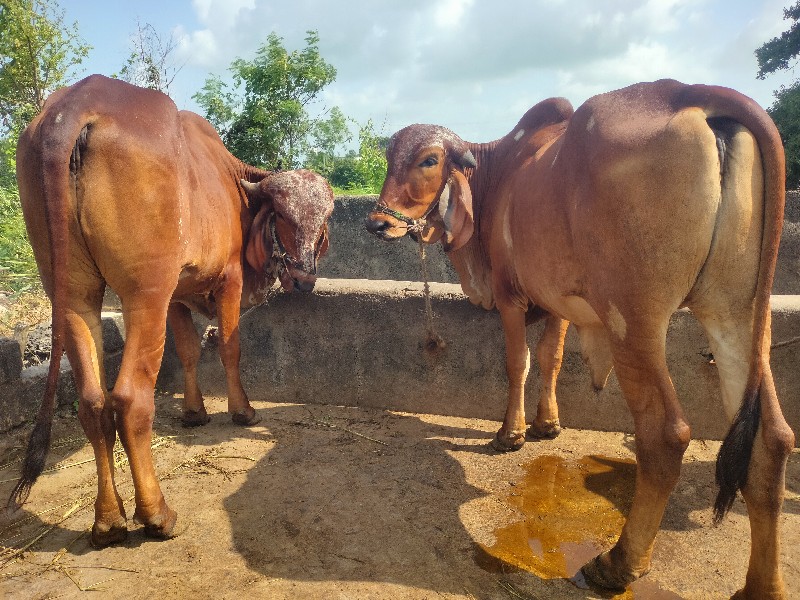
{"type": "Point", "coordinates": [120, 188]}
{"type": "Point", "coordinates": [646, 199]}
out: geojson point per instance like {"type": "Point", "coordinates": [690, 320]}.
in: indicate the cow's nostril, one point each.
{"type": "Point", "coordinates": [374, 225]}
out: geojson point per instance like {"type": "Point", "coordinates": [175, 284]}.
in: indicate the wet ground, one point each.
{"type": "Point", "coordinates": [332, 502]}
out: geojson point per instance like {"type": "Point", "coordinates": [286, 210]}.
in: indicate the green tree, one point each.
{"type": "Point", "coordinates": [37, 54]}
{"type": "Point", "coordinates": [325, 137]}
{"type": "Point", "coordinates": [267, 125]}
{"type": "Point", "coordinates": [359, 172]}
{"type": "Point", "coordinates": [778, 54]}
{"type": "Point", "coordinates": [372, 158]}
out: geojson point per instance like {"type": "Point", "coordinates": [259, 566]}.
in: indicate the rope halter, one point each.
{"type": "Point", "coordinates": [412, 225]}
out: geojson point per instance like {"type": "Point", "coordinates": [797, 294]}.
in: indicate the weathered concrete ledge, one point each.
{"type": "Point", "coordinates": [360, 343]}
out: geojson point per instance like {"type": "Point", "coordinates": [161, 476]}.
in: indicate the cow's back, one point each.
{"type": "Point", "coordinates": [123, 146]}
{"type": "Point", "coordinates": [632, 177]}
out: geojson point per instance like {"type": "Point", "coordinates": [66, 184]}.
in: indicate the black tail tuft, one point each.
{"type": "Point", "coordinates": [33, 465]}
{"type": "Point", "coordinates": [733, 460]}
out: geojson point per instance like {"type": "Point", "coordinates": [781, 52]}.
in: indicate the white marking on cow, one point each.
{"type": "Point", "coordinates": [616, 322]}
{"type": "Point", "coordinates": [507, 230]}
{"type": "Point", "coordinates": [519, 134]}
{"type": "Point", "coordinates": [59, 117]}
{"type": "Point", "coordinates": [730, 348]}
{"type": "Point", "coordinates": [590, 123]}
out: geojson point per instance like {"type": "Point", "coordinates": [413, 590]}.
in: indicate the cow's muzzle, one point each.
{"type": "Point", "coordinates": [297, 279]}
{"type": "Point", "coordinates": [385, 226]}
{"type": "Point", "coordinates": [377, 225]}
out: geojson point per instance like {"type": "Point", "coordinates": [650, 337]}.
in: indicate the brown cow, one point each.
{"type": "Point", "coordinates": [118, 187]}
{"type": "Point", "coordinates": [646, 199]}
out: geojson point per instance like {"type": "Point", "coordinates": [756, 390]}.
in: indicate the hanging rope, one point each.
{"type": "Point", "coordinates": [434, 344]}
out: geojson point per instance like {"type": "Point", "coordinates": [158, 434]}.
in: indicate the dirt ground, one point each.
{"type": "Point", "coordinates": [332, 502]}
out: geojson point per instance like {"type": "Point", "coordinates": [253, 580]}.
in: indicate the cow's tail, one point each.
{"type": "Point", "coordinates": [733, 460]}
{"type": "Point", "coordinates": [58, 135]}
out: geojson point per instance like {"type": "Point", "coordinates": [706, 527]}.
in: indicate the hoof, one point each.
{"type": "Point", "coordinates": [159, 526]}
{"type": "Point", "coordinates": [103, 536]}
{"type": "Point", "coordinates": [546, 431]}
{"type": "Point", "coordinates": [601, 572]}
{"type": "Point", "coordinates": [195, 418]}
{"type": "Point", "coordinates": [508, 442]}
{"type": "Point", "coordinates": [246, 419]}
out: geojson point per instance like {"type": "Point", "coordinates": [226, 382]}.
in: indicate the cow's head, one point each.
{"type": "Point", "coordinates": [289, 233]}
{"type": "Point", "coordinates": [425, 192]}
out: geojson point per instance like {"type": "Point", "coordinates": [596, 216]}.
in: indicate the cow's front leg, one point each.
{"type": "Point", "coordinates": [187, 345]}
{"type": "Point", "coordinates": [512, 434]}
{"type": "Point", "coordinates": [228, 306]}
{"type": "Point", "coordinates": [549, 353]}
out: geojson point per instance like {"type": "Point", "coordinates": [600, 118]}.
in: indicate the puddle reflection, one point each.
{"type": "Point", "coordinates": [573, 509]}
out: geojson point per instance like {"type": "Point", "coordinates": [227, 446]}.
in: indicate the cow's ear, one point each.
{"type": "Point", "coordinates": [455, 209]}
{"type": "Point", "coordinates": [259, 240]}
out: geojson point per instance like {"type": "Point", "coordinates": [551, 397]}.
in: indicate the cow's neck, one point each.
{"type": "Point", "coordinates": [471, 261]}
{"type": "Point", "coordinates": [537, 127]}
{"type": "Point", "coordinates": [255, 284]}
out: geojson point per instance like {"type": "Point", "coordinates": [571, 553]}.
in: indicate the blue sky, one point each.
{"type": "Point", "coordinates": [474, 66]}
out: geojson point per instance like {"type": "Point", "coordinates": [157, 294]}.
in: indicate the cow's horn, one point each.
{"type": "Point", "coordinates": [250, 188]}
{"type": "Point", "coordinates": [467, 160]}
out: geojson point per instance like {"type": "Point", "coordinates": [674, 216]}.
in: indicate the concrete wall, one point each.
{"type": "Point", "coordinates": [360, 342]}
{"type": "Point", "coordinates": [357, 255]}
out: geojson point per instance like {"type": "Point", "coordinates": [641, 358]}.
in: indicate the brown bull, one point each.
{"type": "Point", "coordinates": [119, 188]}
{"type": "Point", "coordinates": [646, 199]}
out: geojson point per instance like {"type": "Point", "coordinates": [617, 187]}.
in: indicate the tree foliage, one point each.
{"type": "Point", "coordinates": [778, 54]}
{"type": "Point", "coordinates": [325, 139]}
{"type": "Point", "coordinates": [362, 171]}
{"type": "Point", "coordinates": [37, 54]}
{"type": "Point", "coordinates": [372, 157]}
{"type": "Point", "coordinates": [267, 124]}
{"type": "Point", "coordinates": [150, 63]}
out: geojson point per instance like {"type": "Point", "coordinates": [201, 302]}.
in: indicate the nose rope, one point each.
{"type": "Point", "coordinates": [413, 225]}
{"type": "Point", "coordinates": [433, 341]}
{"type": "Point", "coordinates": [434, 344]}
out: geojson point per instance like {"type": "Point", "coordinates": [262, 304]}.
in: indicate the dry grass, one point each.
{"type": "Point", "coordinates": [29, 308]}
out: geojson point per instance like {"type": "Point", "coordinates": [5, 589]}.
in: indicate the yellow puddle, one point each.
{"type": "Point", "coordinates": [573, 509]}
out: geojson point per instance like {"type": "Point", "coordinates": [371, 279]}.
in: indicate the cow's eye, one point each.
{"type": "Point", "coordinates": [431, 161]}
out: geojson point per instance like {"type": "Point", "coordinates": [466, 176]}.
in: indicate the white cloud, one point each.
{"type": "Point", "coordinates": [480, 65]}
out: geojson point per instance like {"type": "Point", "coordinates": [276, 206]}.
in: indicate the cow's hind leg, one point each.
{"type": "Point", "coordinates": [133, 399]}
{"type": "Point", "coordinates": [84, 346]}
{"type": "Point", "coordinates": [662, 436]}
{"type": "Point", "coordinates": [549, 353]}
{"type": "Point", "coordinates": [730, 337]}
{"type": "Point", "coordinates": [187, 345]}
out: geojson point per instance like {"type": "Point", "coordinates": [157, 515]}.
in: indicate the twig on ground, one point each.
{"type": "Point", "coordinates": [514, 591]}
{"type": "Point", "coordinates": [350, 431]}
